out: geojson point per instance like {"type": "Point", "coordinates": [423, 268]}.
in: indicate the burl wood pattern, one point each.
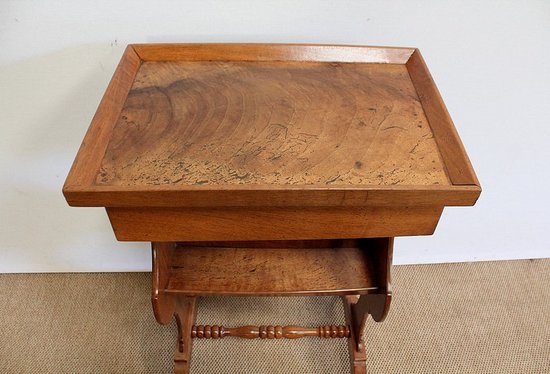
{"type": "Point", "coordinates": [271, 123]}
{"type": "Point", "coordinates": [270, 332]}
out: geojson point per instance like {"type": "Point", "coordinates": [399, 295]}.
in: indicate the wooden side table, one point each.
{"type": "Point", "coordinates": [271, 170]}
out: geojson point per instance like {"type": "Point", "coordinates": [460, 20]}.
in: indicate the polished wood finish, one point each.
{"type": "Point", "coordinates": [273, 52]}
{"type": "Point", "coordinates": [281, 125]}
{"type": "Point", "coordinates": [261, 169]}
{"type": "Point", "coordinates": [275, 223]}
{"type": "Point", "coordinates": [270, 332]}
{"type": "Point", "coordinates": [334, 267]}
{"type": "Point", "coordinates": [267, 196]}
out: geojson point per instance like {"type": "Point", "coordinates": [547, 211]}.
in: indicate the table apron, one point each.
{"type": "Point", "coordinates": [271, 223]}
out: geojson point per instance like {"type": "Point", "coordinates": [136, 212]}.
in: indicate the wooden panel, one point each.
{"type": "Point", "coordinates": [272, 52]}
{"type": "Point", "coordinates": [266, 196]}
{"type": "Point", "coordinates": [340, 269]}
{"type": "Point", "coordinates": [275, 223]}
{"type": "Point", "coordinates": [88, 159]}
{"type": "Point", "coordinates": [458, 165]}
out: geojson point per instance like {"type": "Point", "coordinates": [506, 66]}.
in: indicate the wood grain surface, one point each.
{"type": "Point", "coordinates": [215, 125]}
{"type": "Point", "coordinates": [290, 123]}
{"type": "Point", "coordinates": [271, 223]}
{"type": "Point", "coordinates": [274, 270]}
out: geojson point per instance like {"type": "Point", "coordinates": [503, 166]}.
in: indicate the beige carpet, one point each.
{"type": "Point", "coordinates": [491, 317]}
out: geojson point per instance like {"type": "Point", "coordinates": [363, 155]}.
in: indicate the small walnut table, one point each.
{"type": "Point", "coordinates": [271, 170]}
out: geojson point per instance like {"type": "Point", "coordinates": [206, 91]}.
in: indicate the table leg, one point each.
{"type": "Point", "coordinates": [163, 303]}
{"type": "Point", "coordinates": [185, 313]}
{"type": "Point", "coordinates": [166, 306]}
{"type": "Point", "coordinates": [357, 354]}
{"type": "Point", "coordinates": [357, 309]}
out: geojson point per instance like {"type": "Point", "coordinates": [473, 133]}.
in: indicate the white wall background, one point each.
{"type": "Point", "coordinates": [490, 59]}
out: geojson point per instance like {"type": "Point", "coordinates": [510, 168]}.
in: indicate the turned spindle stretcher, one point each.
{"type": "Point", "coordinates": [269, 332]}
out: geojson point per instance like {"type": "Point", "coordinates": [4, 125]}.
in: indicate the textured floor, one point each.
{"type": "Point", "coordinates": [491, 317]}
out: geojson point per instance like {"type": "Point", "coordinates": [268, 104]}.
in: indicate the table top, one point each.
{"type": "Point", "coordinates": [277, 125]}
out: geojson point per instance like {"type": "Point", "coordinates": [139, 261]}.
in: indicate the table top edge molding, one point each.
{"type": "Point", "coordinates": [272, 52]}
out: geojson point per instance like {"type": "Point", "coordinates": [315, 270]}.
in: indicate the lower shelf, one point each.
{"type": "Point", "coordinates": [320, 267]}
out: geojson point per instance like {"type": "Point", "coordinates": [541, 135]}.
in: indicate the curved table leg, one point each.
{"type": "Point", "coordinates": [166, 305]}
{"type": "Point", "coordinates": [186, 311]}
{"type": "Point", "coordinates": [357, 355]}
{"type": "Point", "coordinates": [357, 309]}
